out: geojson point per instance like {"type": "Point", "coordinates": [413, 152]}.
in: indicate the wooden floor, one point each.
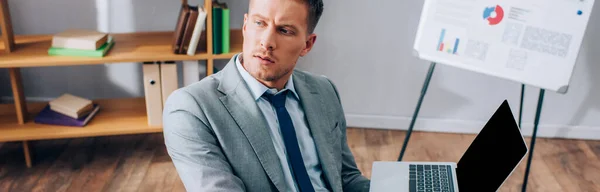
{"type": "Point", "coordinates": [140, 162]}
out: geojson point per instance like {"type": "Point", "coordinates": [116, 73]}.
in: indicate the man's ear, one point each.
{"type": "Point", "coordinates": [244, 25]}
{"type": "Point", "coordinates": [310, 42]}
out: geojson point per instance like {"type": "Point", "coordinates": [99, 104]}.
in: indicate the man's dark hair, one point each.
{"type": "Point", "coordinates": [315, 10]}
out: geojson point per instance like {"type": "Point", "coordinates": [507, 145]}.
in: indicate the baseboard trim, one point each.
{"type": "Point", "coordinates": [437, 124]}
{"type": "Point", "coordinates": [466, 126]}
{"type": "Point", "coordinates": [7, 99]}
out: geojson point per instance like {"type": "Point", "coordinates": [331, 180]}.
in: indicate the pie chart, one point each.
{"type": "Point", "coordinates": [494, 14]}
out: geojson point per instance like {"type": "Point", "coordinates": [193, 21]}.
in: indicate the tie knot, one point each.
{"type": "Point", "coordinates": [277, 100]}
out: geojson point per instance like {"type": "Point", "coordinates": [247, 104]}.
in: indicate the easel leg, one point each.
{"type": "Point", "coordinates": [414, 117]}
{"type": "Point", "coordinates": [535, 127]}
{"type": "Point", "coordinates": [521, 104]}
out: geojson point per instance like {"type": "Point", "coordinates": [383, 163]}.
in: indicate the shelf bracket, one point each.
{"type": "Point", "coordinates": [19, 96]}
{"type": "Point", "coordinates": [6, 27]}
{"type": "Point", "coordinates": [27, 153]}
{"type": "Point", "coordinates": [210, 67]}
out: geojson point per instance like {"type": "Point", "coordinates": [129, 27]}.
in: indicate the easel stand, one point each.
{"type": "Point", "coordinates": [414, 117]}
{"type": "Point", "coordinates": [535, 123]}
{"type": "Point", "coordinates": [535, 127]}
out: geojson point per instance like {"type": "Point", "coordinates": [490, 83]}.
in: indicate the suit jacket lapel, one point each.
{"type": "Point", "coordinates": [320, 125]}
{"type": "Point", "coordinates": [244, 110]}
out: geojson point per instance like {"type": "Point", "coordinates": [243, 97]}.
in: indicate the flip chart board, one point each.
{"type": "Point", "coordinates": [535, 42]}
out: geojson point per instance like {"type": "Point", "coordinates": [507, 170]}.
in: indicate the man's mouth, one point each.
{"type": "Point", "coordinates": [265, 58]}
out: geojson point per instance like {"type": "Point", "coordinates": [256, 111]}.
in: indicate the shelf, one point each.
{"type": "Point", "coordinates": [116, 117]}
{"type": "Point", "coordinates": [32, 51]}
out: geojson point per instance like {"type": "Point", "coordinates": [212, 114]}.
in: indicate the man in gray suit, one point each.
{"type": "Point", "coordinates": [260, 125]}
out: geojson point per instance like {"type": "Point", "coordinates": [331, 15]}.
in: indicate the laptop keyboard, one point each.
{"type": "Point", "coordinates": [431, 178]}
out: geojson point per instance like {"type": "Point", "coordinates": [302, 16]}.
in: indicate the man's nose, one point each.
{"type": "Point", "coordinates": [267, 41]}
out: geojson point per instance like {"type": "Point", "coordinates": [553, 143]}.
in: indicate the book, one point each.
{"type": "Point", "coordinates": [100, 52]}
{"type": "Point", "coordinates": [180, 27]}
{"type": "Point", "coordinates": [198, 27]}
{"type": "Point", "coordinates": [217, 29]}
{"type": "Point", "coordinates": [189, 29]}
{"type": "Point", "coordinates": [71, 105]}
{"type": "Point", "coordinates": [225, 24]}
{"type": "Point", "coordinates": [48, 116]}
{"type": "Point", "coordinates": [79, 39]}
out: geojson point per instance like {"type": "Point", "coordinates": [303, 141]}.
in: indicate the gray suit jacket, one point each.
{"type": "Point", "coordinates": [219, 140]}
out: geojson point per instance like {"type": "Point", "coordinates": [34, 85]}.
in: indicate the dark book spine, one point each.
{"type": "Point", "coordinates": [217, 30]}
{"type": "Point", "coordinates": [179, 28]}
{"type": "Point", "coordinates": [189, 30]}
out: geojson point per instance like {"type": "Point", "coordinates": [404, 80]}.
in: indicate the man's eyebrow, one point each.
{"type": "Point", "coordinates": [290, 26]}
{"type": "Point", "coordinates": [258, 16]}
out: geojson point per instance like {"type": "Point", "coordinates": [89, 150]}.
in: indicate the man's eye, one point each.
{"type": "Point", "coordinates": [259, 23]}
{"type": "Point", "coordinates": [285, 31]}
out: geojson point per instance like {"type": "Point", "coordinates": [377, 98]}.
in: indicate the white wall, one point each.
{"type": "Point", "coordinates": [93, 81]}
{"type": "Point", "coordinates": [379, 81]}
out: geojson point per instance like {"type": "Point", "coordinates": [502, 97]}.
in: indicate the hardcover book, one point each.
{"type": "Point", "coordinates": [189, 30]}
{"type": "Point", "coordinates": [79, 39]}
{"type": "Point", "coordinates": [71, 105]}
{"type": "Point", "coordinates": [48, 116]}
{"type": "Point", "coordinates": [100, 52]}
{"type": "Point", "coordinates": [217, 30]}
{"type": "Point", "coordinates": [182, 20]}
{"type": "Point", "coordinates": [225, 24]}
{"type": "Point", "coordinates": [195, 41]}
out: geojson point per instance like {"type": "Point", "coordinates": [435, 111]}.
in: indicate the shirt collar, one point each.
{"type": "Point", "coordinates": [257, 88]}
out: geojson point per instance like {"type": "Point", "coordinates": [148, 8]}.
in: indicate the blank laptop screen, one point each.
{"type": "Point", "coordinates": [493, 155]}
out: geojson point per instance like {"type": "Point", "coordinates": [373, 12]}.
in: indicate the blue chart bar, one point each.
{"type": "Point", "coordinates": [439, 46]}
{"type": "Point", "coordinates": [455, 46]}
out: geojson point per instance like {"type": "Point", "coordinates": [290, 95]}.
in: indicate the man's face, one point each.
{"type": "Point", "coordinates": [275, 36]}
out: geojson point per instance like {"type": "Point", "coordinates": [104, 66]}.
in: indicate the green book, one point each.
{"type": "Point", "coordinates": [100, 52]}
{"type": "Point", "coordinates": [217, 30]}
{"type": "Point", "coordinates": [225, 19]}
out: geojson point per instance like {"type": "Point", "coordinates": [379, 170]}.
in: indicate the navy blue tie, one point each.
{"type": "Point", "coordinates": [291, 142]}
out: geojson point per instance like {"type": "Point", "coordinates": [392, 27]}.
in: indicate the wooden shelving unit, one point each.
{"type": "Point", "coordinates": [117, 116]}
{"type": "Point", "coordinates": [32, 51]}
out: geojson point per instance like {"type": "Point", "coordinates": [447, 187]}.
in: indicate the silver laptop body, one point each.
{"type": "Point", "coordinates": [490, 159]}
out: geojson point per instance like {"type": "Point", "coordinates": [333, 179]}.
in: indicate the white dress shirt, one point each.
{"type": "Point", "coordinates": [305, 140]}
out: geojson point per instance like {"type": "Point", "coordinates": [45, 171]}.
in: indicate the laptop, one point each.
{"type": "Point", "coordinates": [490, 159]}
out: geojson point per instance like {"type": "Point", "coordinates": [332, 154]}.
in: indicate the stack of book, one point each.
{"type": "Point", "coordinates": [188, 29]}
{"type": "Point", "coordinates": [221, 30]}
{"type": "Point", "coordinates": [68, 110]}
{"type": "Point", "coordinates": [81, 42]}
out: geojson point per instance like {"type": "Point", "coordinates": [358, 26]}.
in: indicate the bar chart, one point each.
{"type": "Point", "coordinates": [446, 46]}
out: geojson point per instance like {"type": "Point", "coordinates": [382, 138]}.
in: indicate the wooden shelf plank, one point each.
{"type": "Point", "coordinates": [116, 117]}
{"type": "Point", "coordinates": [32, 51]}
